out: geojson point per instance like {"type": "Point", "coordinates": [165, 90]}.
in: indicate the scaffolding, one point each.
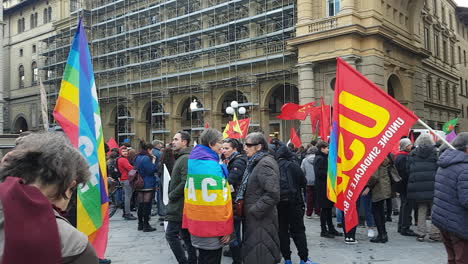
{"type": "Point", "coordinates": [155, 49]}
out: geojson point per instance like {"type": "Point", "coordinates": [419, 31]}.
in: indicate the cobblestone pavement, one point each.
{"type": "Point", "coordinates": [127, 245]}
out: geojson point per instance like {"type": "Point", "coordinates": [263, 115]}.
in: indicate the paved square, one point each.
{"type": "Point", "coordinates": [129, 246]}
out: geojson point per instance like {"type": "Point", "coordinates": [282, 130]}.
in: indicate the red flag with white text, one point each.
{"type": "Point", "coordinates": [366, 125]}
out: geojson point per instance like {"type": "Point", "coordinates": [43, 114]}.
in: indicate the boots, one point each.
{"type": "Point", "coordinates": [334, 232]}
{"type": "Point", "coordinates": [381, 238]}
{"type": "Point", "coordinates": [140, 216]}
{"type": "Point", "coordinates": [147, 211]}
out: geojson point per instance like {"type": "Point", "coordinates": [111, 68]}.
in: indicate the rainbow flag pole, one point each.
{"type": "Point", "coordinates": [77, 112]}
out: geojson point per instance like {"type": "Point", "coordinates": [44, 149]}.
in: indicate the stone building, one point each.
{"type": "Point", "coordinates": [411, 49]}
{"type": "Point", "coordinates": [153, 58]}
{"type": "Point", "coordinates": [27, 23]}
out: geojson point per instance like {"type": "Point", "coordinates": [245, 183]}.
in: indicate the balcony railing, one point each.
{"type": "Point", "coordinates": [327, 24]}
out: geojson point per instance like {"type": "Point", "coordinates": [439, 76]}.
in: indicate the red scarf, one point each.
{"type": "Point", "coordinates": [31, 232]}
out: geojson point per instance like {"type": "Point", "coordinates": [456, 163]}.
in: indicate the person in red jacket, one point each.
{"type": "Point", "coordinates": [124, 166]}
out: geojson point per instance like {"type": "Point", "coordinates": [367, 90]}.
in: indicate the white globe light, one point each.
{"type": "Point", "coordinates": [229, 110]}
{"type": "Point", "coordinates": [242, 110]}
{"type": "Point", "coordinates": [193, 105]}
{"type": "Point", "coordinates": [234, 104]}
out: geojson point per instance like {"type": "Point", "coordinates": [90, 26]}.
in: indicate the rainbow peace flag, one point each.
{"type": "Point", "coordinates": [208, 204]}
{"type": "Point", "coordinates": [332, 163]}
{"type": "Point", "coordinates": [77, 112]}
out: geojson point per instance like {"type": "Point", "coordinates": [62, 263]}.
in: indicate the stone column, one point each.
{"type": "Point", "coordinates": [304, 11]}
{"type": "Point", "coordinates": [307, 94]}
{"type": "Point", "coordinates": [347, 6]}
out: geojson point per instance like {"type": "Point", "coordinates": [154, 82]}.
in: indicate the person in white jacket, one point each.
{"type": "Point", "coordinates": [307, 167]}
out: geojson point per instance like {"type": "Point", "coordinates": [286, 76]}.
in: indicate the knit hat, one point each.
{"type": "Point", "coordinates": [404, 142]}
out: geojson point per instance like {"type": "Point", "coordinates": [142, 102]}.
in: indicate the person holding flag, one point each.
{"type": "Point", "coordinates": [320, 169]}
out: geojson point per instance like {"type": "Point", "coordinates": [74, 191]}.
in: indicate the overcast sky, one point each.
{"type": "Point", "coordinates": [462, 3]}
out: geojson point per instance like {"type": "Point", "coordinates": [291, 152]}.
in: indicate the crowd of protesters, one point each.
{"type": "Point", "coordinates": [273, 187]}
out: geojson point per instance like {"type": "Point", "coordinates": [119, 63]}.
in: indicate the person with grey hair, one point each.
{"type": "Point", "coordinates": [422, 167]}
{"type": "Point", "coordinates": [256, 198]}
{"type": "Point", "coordinates": [450, 209]}
{"type": "Point", "coordinates": [204, 166]}
{"type": "Point", "coordinates": [307, 167]}
{"type": "Point", "coordinates": [37, 180]}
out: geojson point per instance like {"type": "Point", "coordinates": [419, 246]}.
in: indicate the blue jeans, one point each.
{"type": "Point", "coordinates": [339, 216]}
{"type": "Point", "coordinates": [366, 202]}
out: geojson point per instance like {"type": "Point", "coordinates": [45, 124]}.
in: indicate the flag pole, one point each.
{"type": "Point", "coordinates": [437, 135]}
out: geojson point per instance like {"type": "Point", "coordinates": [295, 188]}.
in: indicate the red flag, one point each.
{"type": "Point", "coordinates": [367, 123]}
{"type": "Point", "coordinates": [324, 129]}
{"type": "Point", "coordinates": [207, 125]}
{"type": "Point", "coordinates": [314, 116]}
{"type": "Point", "coordinates": [243, 125]}
{"type": "Point", "coordinates": [112, 144]}
{"type": "Point", "coordinates": [291, 111]}
{"type": "Point", "coordinates": [295, 138]}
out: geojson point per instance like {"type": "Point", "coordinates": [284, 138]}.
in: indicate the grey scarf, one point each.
{"type": "Point", "coordinates": [245, 178]}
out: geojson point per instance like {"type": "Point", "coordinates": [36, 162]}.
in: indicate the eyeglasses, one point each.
{"type": "Point", "coordinates": [249, 145]}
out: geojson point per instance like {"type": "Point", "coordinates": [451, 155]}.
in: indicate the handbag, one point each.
{"type": "Point", "coordinates": [239, 208]}
{"type": "Point", "coordinates": [394, 176]}
{"type": "Point", "coordinates": [135, 179]}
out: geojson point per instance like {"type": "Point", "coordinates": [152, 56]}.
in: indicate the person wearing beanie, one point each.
{"type": "Point", "coordinates": [404, 219]}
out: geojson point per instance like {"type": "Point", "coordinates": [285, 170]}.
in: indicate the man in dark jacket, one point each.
{"type": "Point", "coordinates": [407, 206]}
{"type": "Point", "coordinates": [450, 210]}
{"type": "Point", "coordinates": [174, 209]}
{"type": "Point", "coordinates": [422, 167]}
{"type": "Point", "coordinates": [291, 206]}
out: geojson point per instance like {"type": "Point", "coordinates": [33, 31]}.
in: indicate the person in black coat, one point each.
{"type": "Point", "coordinates": [407, 206]}
{"type": "Point", "coordinates": [291, 207]}
{"type": "Point", "coordinates": [422, 167]}
{"type": "Point", "coordinates": [236, 163]}
{"type": "Point", "coordinates": [321, 168]}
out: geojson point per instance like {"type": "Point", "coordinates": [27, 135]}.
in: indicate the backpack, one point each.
{"type": "Point", "coordinates": [113, 169]}
{"type": "Point", "coordinates": [288, 190]}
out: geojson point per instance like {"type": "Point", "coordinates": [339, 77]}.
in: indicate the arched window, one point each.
{"type": "Point", "coordinates": [49, 14]}
{"type": "Point", "coordinates": [429, 88]}
{"type": "Point", "coordinates": [21, 76]}
{"type": "Point", "coordinates": [31, 22]}
{"type": "Point", "coordinates": [34, 71]}
{"type": "Point", "coordinates": [44, 16]}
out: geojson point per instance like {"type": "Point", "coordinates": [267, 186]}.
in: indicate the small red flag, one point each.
{"type": "Point", "coordinates": [112, 144]}
{"type": "Point", "coordinates": [207, 125]}
{"type": "Point", "coordinates": [243, 125]}
{"type": "Point", "coordinates": [295, 138]}
{"type": "Point", "coordinates": [291, 111]}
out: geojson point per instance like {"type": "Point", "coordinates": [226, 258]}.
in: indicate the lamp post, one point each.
{"type": "Point", "coordinates": [230, 110]}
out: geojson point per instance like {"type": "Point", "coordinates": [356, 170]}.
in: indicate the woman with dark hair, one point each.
{"type": "Point", "coordinates": [320, 169]}
{"type": "Point", "coordinates": [145, 164]}
{"type": "Point", "coordinates": [37, 180]}
{"type": "Point", "coordinates": [236, 163]}
{"type": "Point", "coordinates": [259, 193]}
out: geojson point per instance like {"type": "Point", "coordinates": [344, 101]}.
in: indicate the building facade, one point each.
{"type": "Point", "coordinates": [153, 59]}
{"type": "Point", "coordinates": [27, 23]}
{"type": "Point", "coordinates": [411, 49]}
